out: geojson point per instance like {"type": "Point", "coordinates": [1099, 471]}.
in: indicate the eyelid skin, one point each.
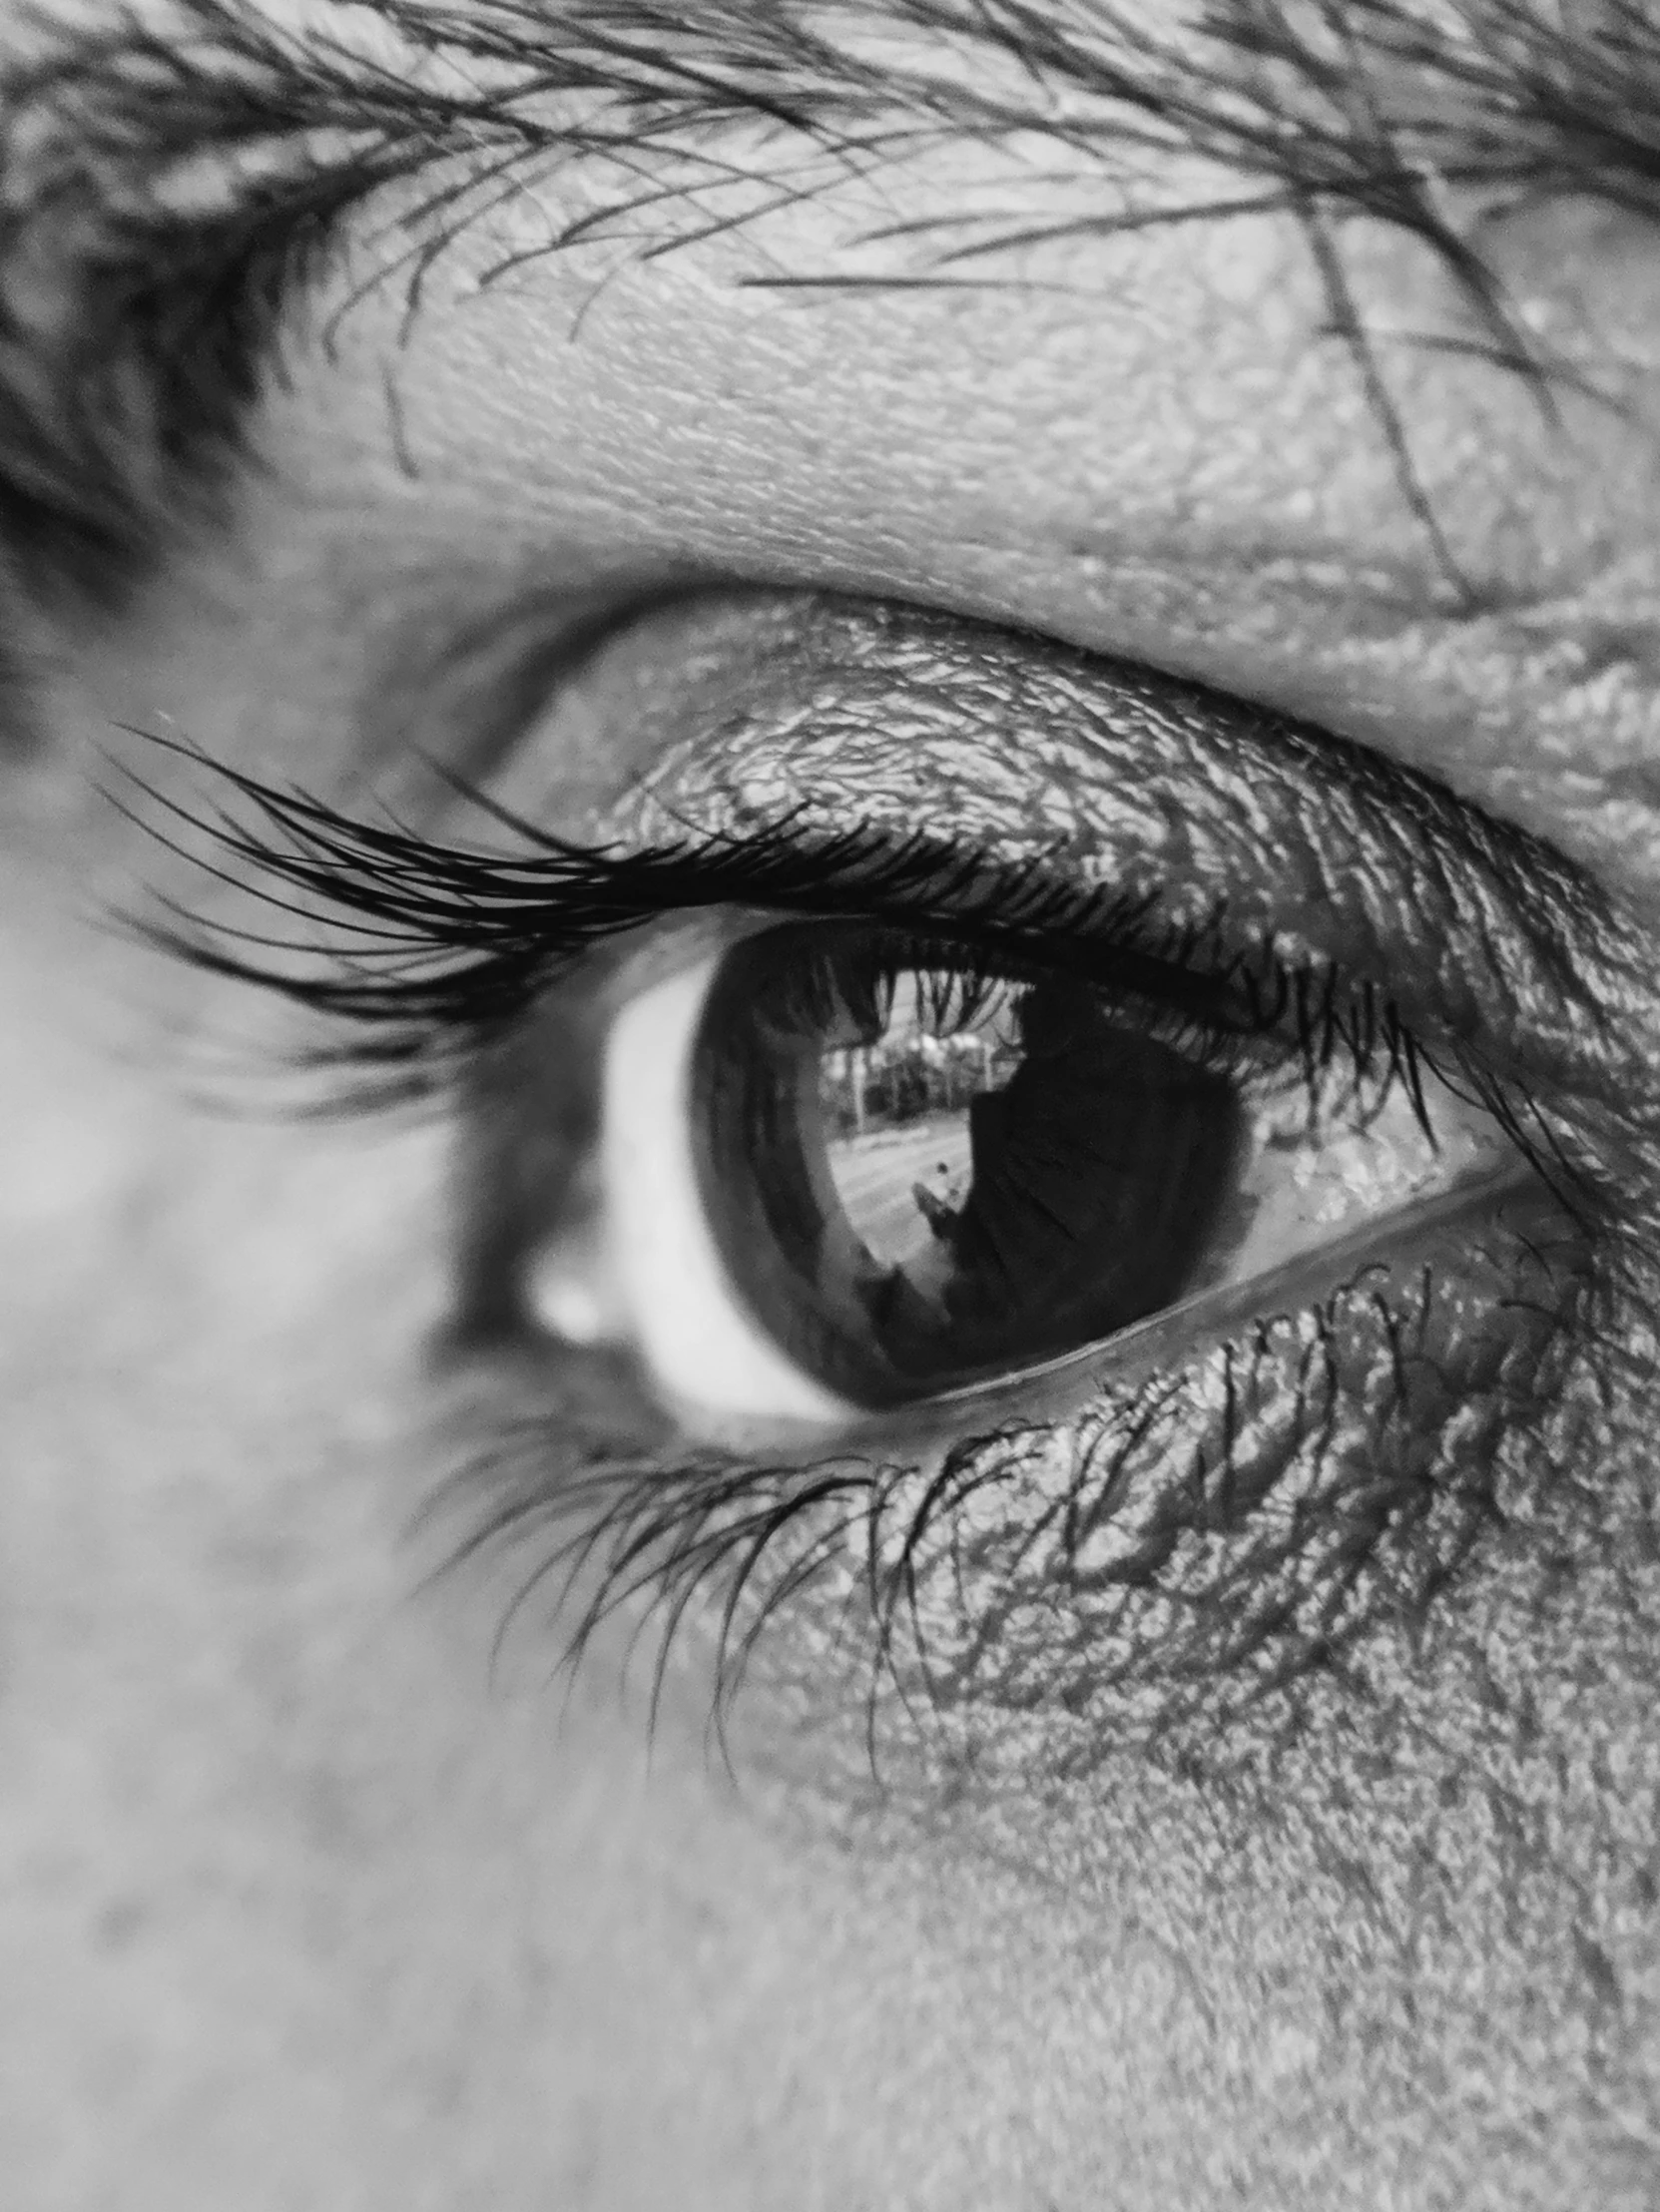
{"type": "Point", "coordinates": [818, 720]}
{"type": "Point", "coordinates": [825, 717]}
{"type": "Point", "coordinates": [822, 711]}
{"type": "Point", "coordinates": [834, 718]}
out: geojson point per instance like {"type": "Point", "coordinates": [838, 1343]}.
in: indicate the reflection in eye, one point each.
{"type": "Point", "coordinates": [850, 1167]}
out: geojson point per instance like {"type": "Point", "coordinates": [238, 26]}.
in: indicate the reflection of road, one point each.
{"type": "Point", "coordinates": [873, 1175]}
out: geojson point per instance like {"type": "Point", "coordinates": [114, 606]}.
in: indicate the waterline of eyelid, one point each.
{"type": "Point", "coordinates": [1051, 1391]}
{"type": "Point", "coordinates": [1216, 1312]}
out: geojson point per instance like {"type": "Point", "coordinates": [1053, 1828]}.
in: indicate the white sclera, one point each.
{"type": "Point", "coordinates": [687, 1316]}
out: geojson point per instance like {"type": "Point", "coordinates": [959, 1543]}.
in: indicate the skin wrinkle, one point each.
{"type": "Point", "coordinates": [1398, 1990]}
{"type": "Point", "coordinates": [106, 279]}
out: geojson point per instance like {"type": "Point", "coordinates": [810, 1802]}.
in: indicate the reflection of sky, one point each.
{"type": "Point", "coordinates": [984, 1051]}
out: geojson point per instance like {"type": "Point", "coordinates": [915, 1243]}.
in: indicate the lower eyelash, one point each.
{"type": "Point", "coordinates": [1183, 1547]}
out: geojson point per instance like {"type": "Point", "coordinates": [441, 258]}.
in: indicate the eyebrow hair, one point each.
{"type": "Point", "coordinates": [172, 190]}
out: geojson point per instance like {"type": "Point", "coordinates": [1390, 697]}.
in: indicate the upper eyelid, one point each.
{"type": "Point", "coordinates": [1481, 931]}
{"type": "Point", "coordinates": [1476, 933]}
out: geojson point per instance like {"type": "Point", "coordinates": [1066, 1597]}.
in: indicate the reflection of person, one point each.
{"type": "Point", "coordinates": [1097, 1169]}
{"type": "Point", "coordinates": [939, 1213]}
{"type": "Point", "coordinates": [354, 411]}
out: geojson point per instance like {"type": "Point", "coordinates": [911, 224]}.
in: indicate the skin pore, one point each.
{"type": "Point", "coordinates": [312, 1895]}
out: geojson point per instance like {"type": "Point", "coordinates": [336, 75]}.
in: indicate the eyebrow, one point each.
{"type": "Point", "coordinates": [171, 192]}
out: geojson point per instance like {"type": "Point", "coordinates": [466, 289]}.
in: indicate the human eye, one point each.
{"type": "Point", "coordinates": [850, 1169]}
{"type": "Point", "coordinates": [1184, 1194]}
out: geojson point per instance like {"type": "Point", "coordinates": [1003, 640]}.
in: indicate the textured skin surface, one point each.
{"type": "Point", "coordinates": [1260, 1653]}
{"type": "Point", "coordinates": [298, 1906]}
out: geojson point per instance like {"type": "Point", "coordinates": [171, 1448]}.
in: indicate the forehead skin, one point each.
{"type": "Point", "coordinates": [299, 1906]}
{"type": "Point", "coordinates": [1150, 443]}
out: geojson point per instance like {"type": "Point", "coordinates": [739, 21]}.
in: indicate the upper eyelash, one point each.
{"type": "Point", "coordinates": [436, 949]}
{"type": "Point", "coordinates": [438, 946]}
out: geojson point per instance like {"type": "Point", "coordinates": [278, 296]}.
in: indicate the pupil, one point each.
{"type": "Point", "coordinates": [920, 1178]}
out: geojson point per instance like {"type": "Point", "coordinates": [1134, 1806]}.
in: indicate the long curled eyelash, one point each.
{"type": "Point", "coordinates": [432, 949]}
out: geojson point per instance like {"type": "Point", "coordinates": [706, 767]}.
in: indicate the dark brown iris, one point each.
{"type": "Point", "coordinates": [920, 1178]}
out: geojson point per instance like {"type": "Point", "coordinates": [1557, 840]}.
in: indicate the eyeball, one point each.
{"type": "Point", "coordinates": [847, 1170]}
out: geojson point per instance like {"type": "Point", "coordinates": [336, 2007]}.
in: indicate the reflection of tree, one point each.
{"type": "Point", "coordinates": [899, 1079]}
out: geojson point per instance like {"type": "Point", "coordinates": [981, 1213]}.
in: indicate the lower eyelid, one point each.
{"type": "Point", "coordinates": [1183, 1542]}
{"type": "Point", "coordinates": [1124, 1556]}
{"type": "Point", "coordinates": [1187, 1542]}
